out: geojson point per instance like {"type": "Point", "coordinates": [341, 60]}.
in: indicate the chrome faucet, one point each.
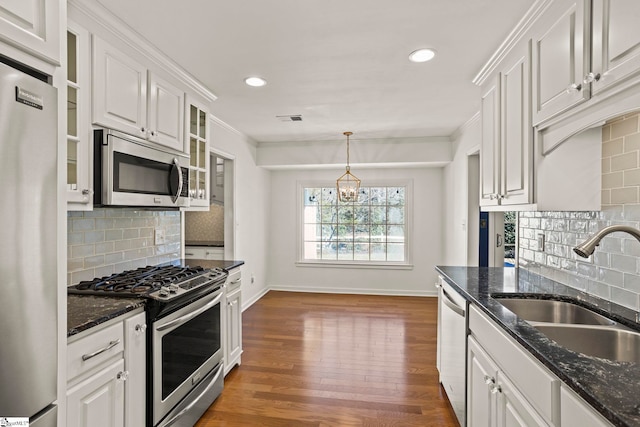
{"type": "Point", "coordinates": [586, 248]}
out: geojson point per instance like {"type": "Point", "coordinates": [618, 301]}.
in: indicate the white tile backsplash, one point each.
{"type": "Point", "coordinates": [106, 241]}
{"type": "Point", "coordinates": [613, 271]}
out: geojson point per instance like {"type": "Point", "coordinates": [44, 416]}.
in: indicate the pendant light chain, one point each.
{"type": "Point", "coordinates": [348, 134]}
{"type": "Point", "coordinates": [348, 185]}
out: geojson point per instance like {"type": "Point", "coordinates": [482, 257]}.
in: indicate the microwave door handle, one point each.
{"type": "Point", "coordinates": [176, 170]}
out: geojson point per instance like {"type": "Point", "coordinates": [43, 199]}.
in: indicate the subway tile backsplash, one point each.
{"type": "Point", "coordinates": [613, 271]}
{"type": "Point", "coordinates": [106, 241]}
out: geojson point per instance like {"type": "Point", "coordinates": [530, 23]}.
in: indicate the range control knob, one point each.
{"type": "Point", "coordinates": [164, 291]}
{"type": "Point", "coordinates": [173, 288]}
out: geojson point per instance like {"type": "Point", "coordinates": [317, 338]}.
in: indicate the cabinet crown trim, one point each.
{"type": "Point", "coordinates": [521, 28]}
{"type": "Point", "coordinates": [128, 35]}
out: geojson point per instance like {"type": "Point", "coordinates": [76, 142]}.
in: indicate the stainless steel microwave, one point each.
{"type": "Point", "coordinates": [130, 171]}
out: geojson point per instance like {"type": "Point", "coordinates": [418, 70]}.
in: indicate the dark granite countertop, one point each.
{"type": "Point", "coordinates": [211, 263]}
{"type": "Point", "coordinates": [87, 311]}
{"type": "Point", "coordinates": [610, 387]}
{"type": "Point", "coordinates": [213, 243]}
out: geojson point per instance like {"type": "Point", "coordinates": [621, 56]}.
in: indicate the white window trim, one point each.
{"type": "Point", "coordinates": [408, 215]}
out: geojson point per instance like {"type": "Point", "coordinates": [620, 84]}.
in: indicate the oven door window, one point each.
{"type": "Point", "coordinates": [132, 174]}
{"type": "Point", "coordinates": [187, 347]}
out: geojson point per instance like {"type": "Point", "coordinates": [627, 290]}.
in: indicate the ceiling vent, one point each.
{"type": "Point", "coordinates": [292, 118]}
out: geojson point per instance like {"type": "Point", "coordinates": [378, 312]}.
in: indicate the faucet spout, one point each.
{"type": "Point", "coordinates": [586, 248]}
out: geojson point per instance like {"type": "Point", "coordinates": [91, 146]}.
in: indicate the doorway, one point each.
{"type": "Point", "coordinates": [222, 177]}
{"type": "Point", "coordinates": [491, 236]}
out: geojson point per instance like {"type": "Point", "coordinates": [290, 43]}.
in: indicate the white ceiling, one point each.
{"type": "Point", "coordinates": [341, 64]}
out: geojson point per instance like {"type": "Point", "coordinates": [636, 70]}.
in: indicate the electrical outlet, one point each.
{"type": "Point", "coordinates": [541, 242]}
{"type": "Point", "coordinates": [159, 238]}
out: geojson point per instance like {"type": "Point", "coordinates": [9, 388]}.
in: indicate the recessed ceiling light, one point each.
{"type": "Point", "coordinates": [422, 55]}
{"type": "Point", "coordinates": [255, 81]}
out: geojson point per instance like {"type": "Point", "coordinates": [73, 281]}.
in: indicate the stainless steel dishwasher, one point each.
{"type": "Point", "coordinates": [452, 346]}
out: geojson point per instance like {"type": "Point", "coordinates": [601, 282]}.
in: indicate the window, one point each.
{"type": "Point", "coordinates": [372, 230]}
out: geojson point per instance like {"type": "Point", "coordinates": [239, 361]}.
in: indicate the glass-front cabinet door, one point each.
{"type": "Point", "coordinates": [79, 182]}
{"type": "Point", "coordinates": [198, 137]}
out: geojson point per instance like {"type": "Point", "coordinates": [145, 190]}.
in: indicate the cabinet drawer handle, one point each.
{"type": "Point", "coordinates": [188, 253]}
{"type": "Point", "coordinates": [112, 344]}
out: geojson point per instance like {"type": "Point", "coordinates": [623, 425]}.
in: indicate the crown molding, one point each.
{"type": "Point", "coordinates": [231, 129]}
{"type": "Point", "coordinates": [463, 128]}
{"type": "Point", "coordinates": [114, 25]}
{"type": "Point", "coordinates": [521, 29]}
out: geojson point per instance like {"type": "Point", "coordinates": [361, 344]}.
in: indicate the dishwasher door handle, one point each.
{"type": "Point", "coordinates": [446, 299]}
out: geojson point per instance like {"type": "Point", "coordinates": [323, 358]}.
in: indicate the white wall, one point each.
{"type": "Point", "coordinates": [252, 198]}
{"type": "Point", "coordinates": [427, 237]}
{"type": "Point", "coordinates": [399, 152]}
{"type": "Point", "coordinates": [456, 191]}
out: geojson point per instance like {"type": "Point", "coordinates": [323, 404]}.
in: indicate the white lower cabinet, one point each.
{"type": "Point", "coordinates": [233, 320]}
{"type": "Point", "coordinates": [493, 400]}
{"type": "Point", "coordinates": [106, 375]}
{"type": "Point", "coordinates": [506, 386]}
{"type": "Point", "coordinates": [98, 400]}
{"type": "Point", "coordinates": [204, 252]}
{"type": "Point", "coordinates": [575, 412]}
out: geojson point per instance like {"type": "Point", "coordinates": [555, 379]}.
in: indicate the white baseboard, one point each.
{"type": "Point", "coordinates": [355, 291]}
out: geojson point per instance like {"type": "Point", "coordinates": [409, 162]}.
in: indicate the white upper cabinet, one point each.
{"type": "Point", "coordinates": [166, 113]}
{"type": "Point", "coordinates": [130, 98]}
{"type": "Point", "coordinates": [615, 43]}
{"type": "Point", "coordinates": [581, 48]}
{"type": "Point", "coordinates": [32, 26]}
{"type": "Point", "coordinates": [119, 90]}
{"type": "Point", "coordinates": [197, 134]}
{"type": "Point", "coordinates": [560, 58]}
{"type": "Point", "coordinates": [79, 148]}
{"type": "Point", "coordinates": [506, 166]}
{"type": "Point", "coordinates": [516, 134]}
{"type": "Point", "coordinates": [490, 148]}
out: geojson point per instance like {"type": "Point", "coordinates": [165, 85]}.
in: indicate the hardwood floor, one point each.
{"type": "Point", "coordinates": [335, 360]}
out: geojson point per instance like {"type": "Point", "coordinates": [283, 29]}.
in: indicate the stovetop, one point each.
{"type": "Point", "coordinates": [161, 283]}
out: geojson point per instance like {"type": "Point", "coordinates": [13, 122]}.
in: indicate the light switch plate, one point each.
{"type": "Point", "coordinates": [159, 238]}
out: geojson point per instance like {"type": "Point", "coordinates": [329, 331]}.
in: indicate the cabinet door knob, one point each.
{"type": "Point", "coordinates": [591, 77]}
{"type": "Point", "coordinates": [122, 376]}
{"type": "Point", "coordinates": [574, 87]}
{"type": "Point", "coordinates": [140, 329]}
{"type": "Point", "coordinates": [489, 380]}
{"type": "Point", "coordinates": [495, 389]}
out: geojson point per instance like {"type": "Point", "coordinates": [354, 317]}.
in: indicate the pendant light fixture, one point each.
{"type": "Point", "coordinates": [348, 185]}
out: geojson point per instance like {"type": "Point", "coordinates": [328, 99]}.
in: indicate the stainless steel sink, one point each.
{"type": "Point", "coordinates": [552, 311]}
{"type": "Point", "coordinates": [616, 344]}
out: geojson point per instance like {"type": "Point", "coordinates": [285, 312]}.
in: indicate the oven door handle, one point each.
{"type": "Point", "coordinates": [184, 319]}
{"type": "Point", "coordinates": [195, 401]}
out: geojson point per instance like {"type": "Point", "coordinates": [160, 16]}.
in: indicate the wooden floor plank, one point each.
{"type": "Point", "coordinates": [335, 360]}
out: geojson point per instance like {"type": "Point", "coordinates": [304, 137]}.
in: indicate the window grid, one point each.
{"type": "Point", "coordinates": [373, 229]}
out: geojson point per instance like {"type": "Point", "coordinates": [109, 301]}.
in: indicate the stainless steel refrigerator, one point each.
{"type": "Point", "coordinates": [28, 256]}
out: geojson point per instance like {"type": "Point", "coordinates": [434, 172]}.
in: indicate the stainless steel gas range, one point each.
{"type": "Point", "coordinates": [184, 341]}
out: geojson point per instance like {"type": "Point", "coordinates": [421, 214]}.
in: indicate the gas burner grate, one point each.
{"type": "Point", "coordinates": [138, 282]}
